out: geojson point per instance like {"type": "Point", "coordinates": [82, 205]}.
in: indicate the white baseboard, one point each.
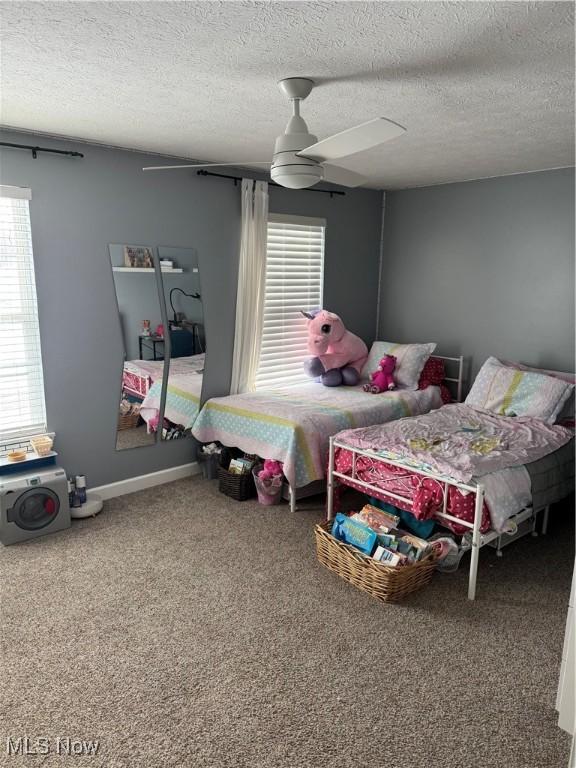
{"type": "Point", "coordinates": [141, 482]}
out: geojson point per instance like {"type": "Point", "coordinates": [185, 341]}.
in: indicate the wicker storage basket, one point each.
{"type": "Point", "coordinates": [384, 582]}
{"type": "Point", "coordinates": [128, 421]}
{"type": "Point", "coordinates": [239, 487]}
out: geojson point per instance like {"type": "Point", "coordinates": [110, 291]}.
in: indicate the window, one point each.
{"type": "Point", "coordinates": [22, 408]}
{"type": "Point", "coordinates": [294, 282]}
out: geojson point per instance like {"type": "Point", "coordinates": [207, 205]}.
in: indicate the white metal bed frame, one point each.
{"type": "Point", "coordinates": [478, 539]}
{"type": "Point", "coordinates": [458, 380]}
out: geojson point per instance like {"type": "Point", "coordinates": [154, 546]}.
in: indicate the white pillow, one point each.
{"type": "Point", "coordinates": [514, 392]}
{"type": "Point", "coordinates": [567, 411]}
{"type": "Point", "coordinates": [410, 360]}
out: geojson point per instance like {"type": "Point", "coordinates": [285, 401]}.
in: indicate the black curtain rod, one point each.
{"type": "Point", "coordinates": [236, 179]}
{"type": "Point", "coordinates": [35, 150]}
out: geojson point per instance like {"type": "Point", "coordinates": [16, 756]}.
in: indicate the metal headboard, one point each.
{"type": "Point", "coordinates": [459, 381]}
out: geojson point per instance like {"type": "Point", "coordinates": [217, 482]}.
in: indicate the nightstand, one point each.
{"type": "Point", "coordinates": [150, 343]}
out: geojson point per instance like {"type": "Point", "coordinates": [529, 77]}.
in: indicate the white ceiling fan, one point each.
{"type": "Point", "coordinates": [300, 160]}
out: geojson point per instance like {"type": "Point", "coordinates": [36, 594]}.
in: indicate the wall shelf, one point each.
{"type": "Point", "coordinates": [148, 270]}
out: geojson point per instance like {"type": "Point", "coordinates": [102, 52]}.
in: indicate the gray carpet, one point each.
{"type": "Point", "coordinates": [180, 628]}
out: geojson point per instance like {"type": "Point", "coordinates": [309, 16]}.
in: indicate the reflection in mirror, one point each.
{"type": "Point", "coordinates": [183, 298]}
{"type": "Point", "coordinates": [142, 338]}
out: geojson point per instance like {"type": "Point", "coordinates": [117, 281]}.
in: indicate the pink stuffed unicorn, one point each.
{"type": "Point", "coordinates": [382, 379]}
{"type": "Point", "coordinates": [338, 355]}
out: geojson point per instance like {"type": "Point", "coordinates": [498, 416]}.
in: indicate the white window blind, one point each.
{"type": "Point", "coordinates": [22, 408]}
{"type": "Point", "coordinates": [294, 282]}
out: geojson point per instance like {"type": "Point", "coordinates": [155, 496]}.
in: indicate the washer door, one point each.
{"type": "Point", "coordinates": [34, 509]}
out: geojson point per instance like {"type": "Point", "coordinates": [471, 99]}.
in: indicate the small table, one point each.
{"type": "Point", "coordinates": [154, 340]}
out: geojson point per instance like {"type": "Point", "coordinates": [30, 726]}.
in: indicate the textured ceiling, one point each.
{"type": "Point", "coordinates": [484, 88]}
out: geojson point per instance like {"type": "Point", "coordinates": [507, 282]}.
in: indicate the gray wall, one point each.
{"type": "Point", "coordinates": [80, 205]}
{"type": "Point", "coordinates": [483, 268]}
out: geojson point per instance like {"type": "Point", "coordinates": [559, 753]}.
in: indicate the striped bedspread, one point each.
{"type": "Point", "coordinates": [293, 425]}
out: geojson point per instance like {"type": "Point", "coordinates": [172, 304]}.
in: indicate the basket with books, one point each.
{"type": "Point", "coordinates": [129, 415]}
{"type": "Point", "coordinates": [235, 475]}
{"type": "Point", "coordinates": [370, 552]}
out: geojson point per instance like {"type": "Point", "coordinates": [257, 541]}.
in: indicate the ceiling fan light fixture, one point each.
{"type": "Point", "coordinates": [296, 177]}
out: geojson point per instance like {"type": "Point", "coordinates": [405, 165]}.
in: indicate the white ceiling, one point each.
{"type": "Point", "coordinates": [484, 88]}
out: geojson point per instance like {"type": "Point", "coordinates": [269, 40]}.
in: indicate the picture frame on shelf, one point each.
{"type": "Point", "coordinates": [138, 257]}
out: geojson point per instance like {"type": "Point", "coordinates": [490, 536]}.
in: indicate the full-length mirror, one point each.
{"type": "Point", "coordinates": [142, 332]}
{"type": "Point", "coordinates": [163, 360]}
{"type": "Point", "coordinates": [183, 299]}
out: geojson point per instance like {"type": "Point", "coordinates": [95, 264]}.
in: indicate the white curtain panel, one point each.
{"type": "Point", "coordinates": [251, 286]}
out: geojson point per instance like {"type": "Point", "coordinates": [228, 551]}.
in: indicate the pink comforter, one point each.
{"type": "Point", "coordinates": [459, 442]}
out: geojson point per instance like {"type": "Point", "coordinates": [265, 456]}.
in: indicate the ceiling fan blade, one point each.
{"type": "Point", "coordinates": [364, 136]}
{"type": "Point", "coordinates": [342, 176]}
{"type": "Point", "coordinates": [207, 165]}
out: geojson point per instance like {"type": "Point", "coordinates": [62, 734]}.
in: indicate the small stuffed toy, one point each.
{"type": "Point", "coordinates": [338, 355]}
{"type": "Point", "coordinates": [382, 379]}
{"type": "Point", "coordinates": [271, 469]}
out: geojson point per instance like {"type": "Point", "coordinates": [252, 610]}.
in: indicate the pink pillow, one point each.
{"type": "Point", "coordinates": [433, 375]}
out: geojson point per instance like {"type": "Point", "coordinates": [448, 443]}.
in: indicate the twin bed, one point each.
{"type": "Point", "coordinates": [482, 468]}
{"type": "Point", "coordinates": [294, 425]}
{"type": "Point", "coordinates": [475, 473]}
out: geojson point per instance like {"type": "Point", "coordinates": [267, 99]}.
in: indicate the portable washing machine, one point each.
{"type": "Point", "coordinates": [33, 504]}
